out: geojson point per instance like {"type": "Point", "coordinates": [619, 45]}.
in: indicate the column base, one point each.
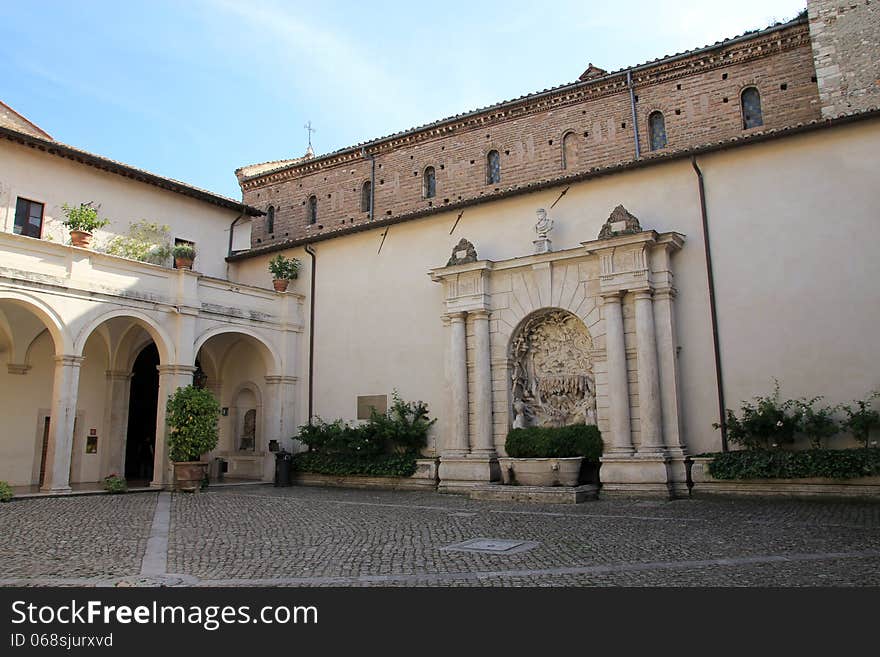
{"type": "Point", "coordinates": [647, 473]}
{"type": "Point", "coordinates": [459, 474]}
{"type": "Point", "coordinates": [61, 490]}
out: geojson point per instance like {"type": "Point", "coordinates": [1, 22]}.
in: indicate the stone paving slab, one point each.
{"type": "Point", "coordinates": [297, 536]}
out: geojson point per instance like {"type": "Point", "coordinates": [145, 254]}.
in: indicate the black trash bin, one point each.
{"type": "Point", "coordinates": [283, 464]}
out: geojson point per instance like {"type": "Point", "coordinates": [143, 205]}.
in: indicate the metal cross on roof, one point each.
{"type": "Point", "coordinates": [310, 129]}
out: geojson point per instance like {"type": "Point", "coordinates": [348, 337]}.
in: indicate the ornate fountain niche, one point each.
{"type": "Point", "coordinates": [552, 380]}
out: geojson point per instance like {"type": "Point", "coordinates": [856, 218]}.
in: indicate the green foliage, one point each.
{"type": "Point", "coordinates": [387, 445]}
{"type": "Point", "coordinates": [192, 416]}
{"type": "Point", "coordinates": [778, 464]}
{"type": "Point", "coordinates": [768, 423]}
{"type": "Point", "coordinates": [283, 268]}
{"type": "Point", "coordinates": [817, 424]}
{"type": "Point", "coordinates": [114, 484]}
{"type": "Point", "coordinates": [184, 251]}
{"type": "Point", "coordinates": [861, 418]}
{"type": "Point", "coordinates": [146, 241]}
{"type": "Point", "coordinates": [555, 442]}
{"type": "Point", "coordinates": [6, 493]}
{"type": "Point", "coordinates": [379, 465]}
{"type": "Point", "coordinates": [83, 217]}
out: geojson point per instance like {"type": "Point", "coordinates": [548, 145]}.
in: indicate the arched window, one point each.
{"type": "Point", "coordinates": [493, 168]}
{"type": "Point", "coordinates": [657, 130]}
{"type": "Point", "coordinates": [313, 209]}
{"type": "Point", "coordinates": [751, 108]}
{"type": "Point", "coordinates": [429, 186]}
{"type": "Point", "coordinates": [569, 151]}
{"type": "Point", "coordinates": [270, 219]}
{"type": "Point", "coordinates": [366, 196]}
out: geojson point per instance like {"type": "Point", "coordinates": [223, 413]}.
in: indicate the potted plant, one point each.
{"type": "Point", "coordinates": [184, 254]}
{"type": "Point", "coordinates": [283, 271]}
{"type": "Point", "coordinates": [82, 220]}
{"type": "Point", "coordinates": [551, 456]}
{"type": "Point", "coordinates": [113, 484]}
{"type": "Point", "coordinates": [192, 417]}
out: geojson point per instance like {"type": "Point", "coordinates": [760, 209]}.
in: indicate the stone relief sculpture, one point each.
{"type": "Point", "coordinates": [621, 222]}
{"type": "Point", "coordinates": [464, 252]}
{"type": "Point", "coordinates": [248, 431]}
{"type": "Point", "coordinates": [552, 372]}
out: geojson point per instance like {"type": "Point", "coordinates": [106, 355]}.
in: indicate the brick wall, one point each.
{"type": "Point", "coordinates": [699, 95]}
{"type": "Point", "coordinates": [846, 44]}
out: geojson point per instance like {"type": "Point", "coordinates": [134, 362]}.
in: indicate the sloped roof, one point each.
{"type": "Point", "coordinates": [9, 118]}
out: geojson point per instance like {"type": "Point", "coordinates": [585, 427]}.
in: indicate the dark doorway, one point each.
{"type": "Point", "coordinates": [143, 402]}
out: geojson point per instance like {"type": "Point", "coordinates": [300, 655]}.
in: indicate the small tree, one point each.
{"type": "Point", "coordinates": [284, 269]}
{"type": "Point", "coordinates": [192, 416]}
{"type": "Point", "coordinates": [817, 424]}
{"type": "Point", "coordinates": [146, 241]}
{"type": "Point", "coordinates": [766, 423]}
{"type": "Point", "coordinates": [861, 419]}
{"type": "Point", "coordinates": [83, 217]}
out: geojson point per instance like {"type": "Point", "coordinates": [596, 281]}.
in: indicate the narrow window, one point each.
{"type": "Point", "coordinates": [493, 168]}
{"type": "Point", "coordinates": [430, 183]}
{"type": "Point", "coordinates": [270, 219]}
{"type": "Point", "coordinates": [28, 218]}
{"type": "Point", "coordinates": [569, 151]}
{"type": "Point", "coordinates": [366, 195]}
{"type": "Point", "coordinates": [313, 209]}
{"type": "Point", "coordinates": [751, 108]}
{"type": "Point", "coordinates": [657, 130]}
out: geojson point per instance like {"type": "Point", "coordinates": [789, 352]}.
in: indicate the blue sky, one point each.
{"type": "Point", "coordinates": [193, 89]}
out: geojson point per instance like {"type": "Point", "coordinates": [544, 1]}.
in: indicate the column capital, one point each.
{"type": "Point", "coordinates": [458, 316]}
{"type": "Point", "coordinates": [666, 293]}
{"type": "Point", "coordinates": [274, 379]}
{"type": "Point", "coordinates": [175, 368]}
{"type": "Point", "coordinates": [482, 313]}
{"type": "Point", "coordinates": [117, 375]}
{"type": "Point", "coordinates": [17, 368]}
{"type": "Point", "coordinates": [613, 296]}
{"type": "Point", "coordinates": [643, 293]}
{"type": "Point", "coordinates": [66, 360]}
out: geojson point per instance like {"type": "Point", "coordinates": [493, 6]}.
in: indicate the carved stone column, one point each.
{"type": "Point", "coordinates": [618, 386]}
{"type": "Point", "coordinates": [64, 396]}
{"type": "Point", "coordinates": [667, 359]}
{"type": "Point", "coordinates": [171, 377]}
{"type": "Point", "coordinates": [483, 444]}
{"type": "Point", "coordinates": [458, 444]}
{"type": "Point", "coordinates": [651, 419]}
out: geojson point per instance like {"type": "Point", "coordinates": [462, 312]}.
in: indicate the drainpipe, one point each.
{"type": "Point", "coordinates": [311, 253]}
{"type": "Point", "coordinates": [632, 104]}
{"type": "Point", "coordinates": [372, 159]}
{"type": "Point", "coordinates": [710, 280]}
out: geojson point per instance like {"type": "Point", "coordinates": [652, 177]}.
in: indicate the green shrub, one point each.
{"type": "Point", "coordinates": [861, 419]}
{"type": "Point", "coordinates": [192, 416]}
{"type": "Point", "coordinates": [115, 484]}
{"type": "Point", "coordinates": [766, 423]}
{"type": "Point", "coordinates": [387, 445]}
{"type": "Point", "coordinates": [382, 465]}
{"type": "Point", "coordinates": [555, 442]}
{"type": "Point", "coordinates": [778, 464]}
{"type": "Point", "coordinates": [83, 217]}
{"type": "Point", "coordinates": [146, 241]}
{"type": "Point", "coordinates": [6, 493]}
{"type": "Point", "coordinates": [283, 268]}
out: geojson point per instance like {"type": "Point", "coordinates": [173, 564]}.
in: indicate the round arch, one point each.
{"type": "Point", "coordinates": [163, 342]}
{"type": "Point", "coordinates": [56, 327]}
{"type": "Point", "coordinates": [271, 358]}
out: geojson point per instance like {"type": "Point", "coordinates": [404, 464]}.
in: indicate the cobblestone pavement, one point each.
{"type": "Point", "coordinates": [334, 537]}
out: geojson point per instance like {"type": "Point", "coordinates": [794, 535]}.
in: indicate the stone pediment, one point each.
{"type": "Point", "coordinates": [621, 222]}
{"type": "Point", "coordinates": [463, 253]}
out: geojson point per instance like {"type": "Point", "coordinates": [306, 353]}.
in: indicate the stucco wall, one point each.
{"type": "Point", "coordinates": [794, 276]}
{"type": "Point", "coordinates": [54, 181]}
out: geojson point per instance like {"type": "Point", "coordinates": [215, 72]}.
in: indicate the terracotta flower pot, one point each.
{"type": "Point", "coordinates": [188, 475]}
{"type": "Point", "coordinates": [80, 238]}
{"type": "Point", "coordinates": [183, 263]}
{"type": "Point", "coordinates": [280, 284]}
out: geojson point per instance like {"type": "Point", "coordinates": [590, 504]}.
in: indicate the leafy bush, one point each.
{"type": "Point", "coordinates": [184, 251]}
{"type": "Point", "coordinates": [283, 268]}
{"type": "Point", "coordinates": [146, 242]}
{"type": "Point", "coordinates": [555, 442]}
{"type": "Point", "coordinates": [387, 445]}
{"type": "Point", "coordinates": [192, 416]}
{"type": "Point", "coordinates": [817, 424]}
{"type": "Point", "coordinates": [6, 493]}
{"type": "Point", "coordinates": [778, 464]}
{"type": "Point", "coordinates": [83, 217]}
{"type": "Point", "coordinates": [381, 465]}
{"type": "Point", "coordinates": [115, 484]}
{"type": "Point", "coordinates": [767, 423]}
{"type": "Point", "coordinates": [861, 419]}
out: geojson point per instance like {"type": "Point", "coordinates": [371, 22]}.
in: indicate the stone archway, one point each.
{"type": "Point", "coordinates": [552, 380]}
